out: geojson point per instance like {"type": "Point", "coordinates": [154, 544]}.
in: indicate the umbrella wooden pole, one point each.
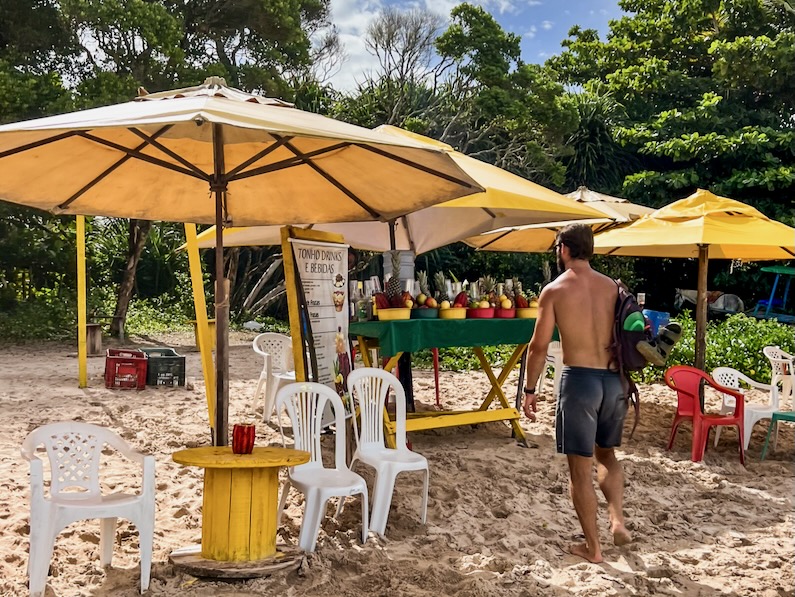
{"type": "Point", "coordinates": [392, 243]}
{"type": "Point", "coordinates": [701, 307]}
{"type": "Point", "coordinates": [219, 187]}
{"type": "Point", "coordinates": [221, 346]}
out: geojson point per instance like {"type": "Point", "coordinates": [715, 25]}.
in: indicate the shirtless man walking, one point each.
{"type": "Point", "coordinates": [592, 406]}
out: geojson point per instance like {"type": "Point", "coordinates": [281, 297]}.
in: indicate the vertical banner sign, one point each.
{"type": "Point", "coordinates": [323, 272]}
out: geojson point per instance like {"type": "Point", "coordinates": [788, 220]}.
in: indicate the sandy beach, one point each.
{"type": "Point", "coordinates": [500, 519]}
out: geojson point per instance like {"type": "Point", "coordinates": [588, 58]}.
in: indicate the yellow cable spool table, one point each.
{"type": "Point", "coordinates": [239, 508]}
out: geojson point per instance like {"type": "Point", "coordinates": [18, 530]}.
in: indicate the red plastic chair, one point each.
{"type": "Point", "coordinates": [686, 380]}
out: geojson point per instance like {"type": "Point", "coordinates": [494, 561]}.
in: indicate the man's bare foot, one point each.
{"type": "Point", "coordinates": [581, 549]}
{"type": "Point", "coordinates": [621, 535]}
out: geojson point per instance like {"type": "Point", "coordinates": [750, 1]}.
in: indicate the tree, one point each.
{"type": "Point", "coordinates": [707, 89]}
{"type": "Point", "coordinates": [255, 44]}
{"type": "Point", "coordinates": [501, 110]}
{"type": "Point", "coordinates": [597, 160]}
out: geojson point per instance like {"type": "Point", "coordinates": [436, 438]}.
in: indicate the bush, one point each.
{"type": "Point", "coordinates": [42, 317]}
{"type": "Point", "coordinates": [733, 342]}
{"type": "Point", "coordinates": [736, 342]}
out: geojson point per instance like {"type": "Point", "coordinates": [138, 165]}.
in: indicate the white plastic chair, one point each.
{"type": "Point", "coordinates": [305, 403]}
{"type": "Point", "coordinates": [782, 366]}
{"type": "Point", "coordinates": [754, 411]}
{"type": "Point", "coordinates": [554, 359]}
{"type": "Point", "coordinates": [782, 369]}
{"type": "Point", "coordinates": [74, 451]}
{"type": "Point", "coordinates": [370, 391]}
{"type": "Point", "coordinates": [278, 368]}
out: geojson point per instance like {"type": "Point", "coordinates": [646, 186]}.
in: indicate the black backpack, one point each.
{"type": "Point", "coordinates": [629, 328]}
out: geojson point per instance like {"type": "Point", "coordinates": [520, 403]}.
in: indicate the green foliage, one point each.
{"type": "Point", "coordinates": [736, 342]}
{"type": "Point", "coordinates": [274, 325]}
{"type": "Point", "coordinates": [46, 316]}
{"type": "Point", "coordinates": [462, 359]}
{"type": "Point", "coordinates": [707, 87]}
{"type": "Point", "coordinates": [597, 159]}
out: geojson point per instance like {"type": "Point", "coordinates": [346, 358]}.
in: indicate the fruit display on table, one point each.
{"type": "Point", "coordinates": [487, 300]}
{"type": "Point", "coordinates": [425, 306]}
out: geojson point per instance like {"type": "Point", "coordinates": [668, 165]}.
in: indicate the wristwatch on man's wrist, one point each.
{"type": "Point", "coordinates": [529, 390]}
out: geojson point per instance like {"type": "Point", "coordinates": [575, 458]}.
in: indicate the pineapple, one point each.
{"type": "Point", "coordinates": [393, 290]}
{"type": "Point", "coordinates": [517, 286]}
{"type": "Point", "coordinates": [441, 287]}
{"type": "Point", "coordinates": [422, 278]}
{"type": "Point", "coordinates": [487, 287]}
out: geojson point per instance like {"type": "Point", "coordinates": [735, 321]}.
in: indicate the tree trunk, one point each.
{"type": "Point", "coordinates": [139, 232]}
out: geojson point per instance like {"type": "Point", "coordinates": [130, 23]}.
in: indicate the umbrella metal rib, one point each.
{"type": "Point", "coordinates": [343, 189]}
{"type": "Point", "coordinates": [108, 171]}
{"type": "Point", "coordinates": [40, 143]}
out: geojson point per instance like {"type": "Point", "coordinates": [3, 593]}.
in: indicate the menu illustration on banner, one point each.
{"type": "Point", "coordinates": [323, 270]}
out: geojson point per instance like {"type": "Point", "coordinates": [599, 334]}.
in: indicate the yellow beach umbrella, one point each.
{"type": "Point", "coordinates": [538, 238]}
{"type": "Point", "coordinates": [212, 154]}
{"type": "Point", "coordinates": [703, 226]}
{"type": "Point", "coordinates": [507, 199]}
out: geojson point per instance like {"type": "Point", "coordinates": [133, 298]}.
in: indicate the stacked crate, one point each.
{"type": "Point", "coordinates": [125, 369]}
{"type": "Point", "coordinates": [166, 367]}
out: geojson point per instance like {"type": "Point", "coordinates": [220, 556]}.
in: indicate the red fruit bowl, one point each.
{"type": "Point", "coordinates": [481, 313]}
{"type": "Point", "coordinates": [501, 313]}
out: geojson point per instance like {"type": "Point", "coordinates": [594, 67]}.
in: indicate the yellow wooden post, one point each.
{"type": "Point", "coordinates": [200, 306]}
{"type": "Point", "coordinates": [291, 285]}
{"type": "Point", "coordinates": [82, 368]}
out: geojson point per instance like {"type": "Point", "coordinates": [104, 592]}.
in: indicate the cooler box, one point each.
{"type": "Point", "coordinates": [657, 319]}
{"type": "Point", "coordinates": [165, 367]}
{"type": "Point", "coordinates": [125, 369]}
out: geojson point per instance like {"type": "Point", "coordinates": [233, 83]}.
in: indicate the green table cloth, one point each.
{"type": "Point", "coordinates": [411, 335]}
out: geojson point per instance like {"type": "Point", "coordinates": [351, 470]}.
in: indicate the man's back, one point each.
{"type": "Point", "coordinates": [584, 304]}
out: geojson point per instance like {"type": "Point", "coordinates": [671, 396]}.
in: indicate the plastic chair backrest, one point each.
{"type": "Point", "coordinates": [781, 371]}
{"type": "Point", "coordinates": [731, 378]}
{"type": "Point", "coordinates": [280, 349]}
{"type": "Point", "coordinates": [74, 450]}
{"type": "Point", "coordinates": [780, 362]}
{"type": "Point", "coordinates": [726, 376]}
{"type": "Point", "coordinates": [305, 403]}
{"type": "Point", "coordinates": [369, 389]}
{"type": "Point", "coordinates": [685, 381]}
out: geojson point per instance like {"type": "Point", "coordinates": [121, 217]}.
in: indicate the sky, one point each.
{"type": "Point", "coordinates": [541, 24]}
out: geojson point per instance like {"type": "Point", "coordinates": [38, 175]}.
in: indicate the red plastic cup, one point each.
{"type": "Point", "coordinates": [243, 438]}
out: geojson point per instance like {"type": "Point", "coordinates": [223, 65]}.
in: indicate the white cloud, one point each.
{"type": "Point", "coordinates": [547, 25]}
{"type": "Point", "coordinates": [530, 33]}
{"type": "Point", "coordinates": [352, 17]}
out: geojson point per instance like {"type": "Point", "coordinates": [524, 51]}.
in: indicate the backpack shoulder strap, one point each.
{"type": "Point", "coordinates": [627, 383]}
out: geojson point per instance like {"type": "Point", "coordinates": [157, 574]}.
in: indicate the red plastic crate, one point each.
{"type": "Point", "coordinates": [125, 369]}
